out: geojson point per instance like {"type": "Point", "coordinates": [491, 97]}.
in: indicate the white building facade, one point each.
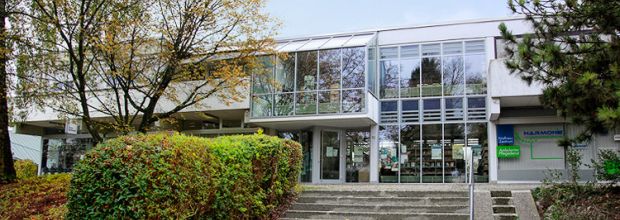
{"type": "Point", "coordinates": [396, 105]}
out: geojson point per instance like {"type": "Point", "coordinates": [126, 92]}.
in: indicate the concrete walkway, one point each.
{"type": "Point", "coordinates": [419, 187]}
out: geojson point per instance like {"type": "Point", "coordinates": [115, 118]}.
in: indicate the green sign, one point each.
{"type": "Point", "coordinates": [510, 151]}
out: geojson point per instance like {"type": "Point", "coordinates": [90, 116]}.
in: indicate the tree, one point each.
{"type": "Point", "coordinates": [7, 168]}
{"type": "Point", "coordinates": [122, 65]}
{"type": "Point", "coordinates": [574, 51]}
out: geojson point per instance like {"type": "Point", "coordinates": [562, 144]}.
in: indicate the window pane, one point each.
{"type": "Point", "coordinates": [306, 70]}
{"type": "Point", "coordinates": [388, 155]}
{"type": "Point", "coordinates": [431, 76]}
{"type": "Point", "coordinates": [372, 71]}
{"type": "Point", "coordinates": [329, 101]}
{"type": "Point", "coordinates": [388, 52]}
{"type": "Point", "coordinates": [261, 105]}
{"type": "Point", "coordinates": [432, 154]}
{"type": "Point", "coordinates": [431, 50]}
{"type": "Point", "coordinates": [329, 72]}
{"type": "Point", "coordinates": [452, 48]}
{"type": "Point", "coordinates": [432, 104]}
{"type": "Point", "coordinates": [262, 80]}
{"type": "Point", "coordinates": [431, 110]}
{"type": "Point", "coordinates": [454, 109]}
{"type": "Point", "coordinates": [474, 46]}
{"type": "Point", "coordinates": [411, 51]}
{"type": "Point", "coordinates": [478, 102]}
{"type": "Point", "coordinates": [410, 154]}
{"type": "Point", "coordinates": [283, 104]}
{"type": "Point", "coordinates": [389, 79]}
{"type": "Point", "coordinates": [454, 161]}
{"type": "Point", "coordinates": [285, 74]}
{"type": "Point", "coordinates": [305, 103]}
{"type": "Point", "coordinates": [410, 105]}
{"type": "Point", "coordinates": [475, 74]}
{"type": "Point", "coordinates": [410, 78]}
{"type": "Point", "coordinates": [477, 140]}
{"type": "Point", "coordinates": [389, 106]}
{"type": "Point", "coordinates": [453, 75]}
{"type": "Point", "coordinates": [353, 67]}
{"type": "Point", "coordinates": [353, 100]}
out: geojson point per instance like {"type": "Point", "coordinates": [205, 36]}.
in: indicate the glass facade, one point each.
{"type": "Point", "coordinates": [432, 112]}
{"type": "Point", "coordinates": [305, 139]}
{"type": "Point", "coordinates": [330, 81]}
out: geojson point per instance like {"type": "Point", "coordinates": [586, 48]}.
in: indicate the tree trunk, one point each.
{"type": "Point", "coordinates": [7, 170]}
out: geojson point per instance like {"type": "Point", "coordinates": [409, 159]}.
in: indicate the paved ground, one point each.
{"type": "Point", "coordinates": [419, 187]}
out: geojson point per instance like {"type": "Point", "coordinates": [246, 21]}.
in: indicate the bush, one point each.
{"type": "Point", "coordinates": [177, 176]}
{"type": "Point", "coordinates": [26, 169]}
{"type": "Point", "coordinates": [607, 166]}
{"type": "Point", "coordinates": [41, 197]}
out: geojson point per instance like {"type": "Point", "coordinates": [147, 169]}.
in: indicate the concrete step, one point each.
{"type": "Point", "coordinates": [501, 194]}
{"type": "Point", "coordinates": [339, 200]}
{"type": "Point", "coordinates": [387, 193]}
{"type": "Point", "coordinates": [502, 201]}
{"type": "Point", "coordinates": [504, 209]}
{"type": "Point", "coordinates": [370, 215]}
{"type": "Point", "coordinates": [505, 216]}
{"type": "Point", "coordinates": [381, 208]}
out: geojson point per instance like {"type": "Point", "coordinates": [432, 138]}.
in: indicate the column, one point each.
{"type": "Point", "coordinates": [374, 154]}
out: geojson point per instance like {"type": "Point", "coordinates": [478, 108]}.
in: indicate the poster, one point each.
{"type": "Point", "coordinates": [457, 151]}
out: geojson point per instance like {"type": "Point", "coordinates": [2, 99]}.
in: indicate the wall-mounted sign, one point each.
{"type": "Point", "coordinates": [505, 135]}
{"type": "Point", "coordinates": [543, 133]}
{"type": "Point", "coordinates": [510, 151]}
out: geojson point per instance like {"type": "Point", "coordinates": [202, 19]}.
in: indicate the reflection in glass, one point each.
{"type": "Point", "coordinates": [388, 154]}
{"type": "Point", "coordinates": [410, 78]}
{"type": "Point", "coordinates": [353, 100]}
{"type": "Point", "coordinates": [262, 80]}
{"type": "Point", "coordinates": [330, 155]}
{"type": "Point", "coordinates": [410, 154]}
{"type": "Point", "coordinates": [358, 156]}
{"type": "Point", "coordinates": [305, 103]}
{"type": "Point", "coordinates": [261, 105]}
{"type": "Point", "coordinates": [306, 70]}
{"type": "Point", "coordinates": [454, 161]}
{"type": "Point", "coordinates": [431, 76]}
{"type": "Point", "coordinates": [283, 104]}
{"type": "Point", "coordinates": [329, 69]}
{"type": "Point", "coordinates": [353, 67]}
{"type": "Point", "coordinates": [478, 141]}
{"type": "Point", "coordinates": [454, 109]}
{"type": "Point", "coordinates": [285, 74]}
{"type": "Point", "coordinates": [329, 101]}
{"type": "Point", "coordinates": [453, 75]}
{"type": "Point", "coordinates": [304, 138]}
{"type": "Point", "coordinates": [432, 154]}
{"type": "Point", "coordinates": [475, 74]}
{"type": "Point", "coordinates": [389, 79]}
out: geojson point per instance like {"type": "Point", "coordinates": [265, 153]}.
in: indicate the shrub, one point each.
{"type": "Point", "coordinates": [41, 197]}
{"type": "Point", "coordinates": [607, 166]}
{"type": "Point", "coordinates": [26, 169]}
{"type": "Point", "coordinates": [177, 176]}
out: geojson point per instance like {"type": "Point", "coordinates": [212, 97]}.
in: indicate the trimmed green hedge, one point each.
{"type": "Point", "coordinates": [178, 176]}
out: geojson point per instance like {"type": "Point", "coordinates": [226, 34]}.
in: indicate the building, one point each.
{"type": "Point", "coordinates": [395, 105]}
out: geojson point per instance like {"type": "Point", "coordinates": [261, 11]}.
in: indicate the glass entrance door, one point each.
{"type": "Point", "coordinates": [358, 156]}
{"type": "Point", "coordinates": [330, 155]}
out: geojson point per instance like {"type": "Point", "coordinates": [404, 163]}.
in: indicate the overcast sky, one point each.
{"type": "Point", "coordinates": [312, 17]}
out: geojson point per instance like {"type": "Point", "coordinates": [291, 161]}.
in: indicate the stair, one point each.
{"type": "Point", "coordinates": [503, 207]}
{"type": "Point", "coordinates": [352, 204]}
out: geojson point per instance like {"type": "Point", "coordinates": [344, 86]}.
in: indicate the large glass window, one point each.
{"type": "Point", "coordinates": [329, 69]}
{"type": "Point", "coordinates": [262, 80]}
{"type": "Point", "coordinates": [410, 154]}
{"type": "Point", "coordinates": [262, 105]}
{"type": "Point", "coordinates": [283, 104]}
{"type": "Point", "coordinates": [285, 73]}
{"type": "Point", "coordinates": [453, 75]}
{"type": "Point", "coordinates": [306, 70]}
{"type": "Point", "coordinates": [475, 74]}
{"type": "Point", "coordinates": [454, 160]}
{"type": "Point", "coordinates": [372, 70]}
{"type": "Point", "coordinates": [353, 67]}
{"type": "Point", "coordinates": [329, 101]}
{"type": "Point", "coordinates": [431, 76]}
{"type": "Point", "coordinates": [358, 156]}
{"type": "Point", "coordinates": [388, 154]}
{"type": "Point", "coordinates": [432, 154]}
{"type": "Point", "coordinates": [410, 78]}
{"type": "Point", "coordinates": [306, 103]}
{"type": "Point", "coordinates": [389, 79]}
{"type": "Point", "coordinates": [353, 100]}
{"type": "Point", "coordinates": [478, 141]}
{"type": "Point", "coordinates": [304, 138]}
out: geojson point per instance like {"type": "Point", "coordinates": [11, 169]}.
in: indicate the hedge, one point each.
{"type": "Point", "coordinates": [178, 176]}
